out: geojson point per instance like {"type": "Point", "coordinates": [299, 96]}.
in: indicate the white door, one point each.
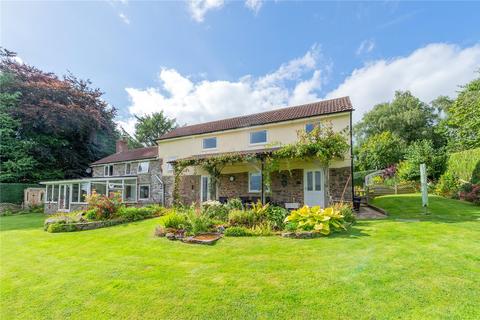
{"type": "Point", "coordinates": [314, 193]}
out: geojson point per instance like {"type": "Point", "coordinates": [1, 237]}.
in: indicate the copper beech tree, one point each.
{"type": "Point", "coordinates": [52, 127]}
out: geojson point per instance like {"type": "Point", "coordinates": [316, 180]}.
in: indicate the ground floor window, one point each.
{"type": "Point", "coordinates": [130, 190]}
{"type": "Point", "coordinates": [144, 192]}
{"type": "Point", "coordinates": [99, 187]}
{"type": "Point", "coordinates": [84, 191]}
{"type": "Point", "coordinates": [254, 182]}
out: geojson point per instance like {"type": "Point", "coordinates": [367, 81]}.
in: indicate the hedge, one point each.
{"type": "Point", "coordinates": [13, 192]}
{"type": "Point", "coordinates": [465, 165]}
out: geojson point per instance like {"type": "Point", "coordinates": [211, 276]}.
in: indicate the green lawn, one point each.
{"type": "Point", "coordinates": [385, 269]}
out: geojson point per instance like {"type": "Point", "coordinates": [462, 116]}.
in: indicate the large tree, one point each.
{"type": "Point", "coordinates": [60, 124]}
{"type": "Point", "coordinates": [463, 118]}
{"type": "Point", "coordinates": [150, 127]}
{"type": "Point", "coordinates": [380, 151]}
{"type": "Point", "coordinates": [405, 116]}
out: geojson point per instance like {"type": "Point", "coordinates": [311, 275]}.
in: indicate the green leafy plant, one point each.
{"type": "Point", "coordinates": [133, 213]}
{"type": "Point", "coordinates": [245, 218]}
{"type": "Point", "coordinates": [234, 203]}
{"type": "Point", "coordinates": [346, 211]}
{"type": "Point", "coordinates": [317, 219]}
{"type": "Point", "coordinates": [215, 210]}
{"type": "Point", "coordinates": [276, 216]}
{"type": "Point", "coordinates": [199, 223]}
{"type": "Point", "coordinates": [237, 232]}
{"type": "Point", "coordinates": [174, 220]}
{"type": "Point", "coordinates": [448, 185]}
{"type": "Point", "coordinates": [106, 207]}
{"type": "Point", "coordinates": [262, 229]}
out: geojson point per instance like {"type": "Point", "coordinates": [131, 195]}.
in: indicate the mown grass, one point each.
{"type": "Point", "coordinates": [382, 270]}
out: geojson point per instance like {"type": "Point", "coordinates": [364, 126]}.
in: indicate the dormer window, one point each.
{"type": "Point", "coordinates": [258, 137]}
{"type": "Point", "coordinates": [108, 170]}
{"type": "Point", "coordinates": [210, 143]}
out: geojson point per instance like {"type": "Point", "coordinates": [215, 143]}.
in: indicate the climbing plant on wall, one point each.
{"type": "Point", "coordinates": [322, 144]}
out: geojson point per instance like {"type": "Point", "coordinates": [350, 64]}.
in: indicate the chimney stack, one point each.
{"type": "Point", "coordinates": [121, 146]}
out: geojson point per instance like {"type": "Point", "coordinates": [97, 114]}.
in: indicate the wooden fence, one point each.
{"type": "Point", "coordinates": [373, 191]}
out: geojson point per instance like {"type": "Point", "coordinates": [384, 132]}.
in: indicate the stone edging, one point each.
{"type": "Point", "coordinates": [81, 226]}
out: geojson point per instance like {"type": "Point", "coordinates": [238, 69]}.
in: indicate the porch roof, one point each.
{"type": "Point", "coordinates": [243, 152]}
{"type": "Point", "coordinates": [88, 179]}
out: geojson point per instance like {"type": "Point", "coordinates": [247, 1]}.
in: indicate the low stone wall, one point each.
{"type": "Point", "coordinates": [80, 226]}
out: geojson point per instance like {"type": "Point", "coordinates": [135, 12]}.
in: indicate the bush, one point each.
{"type": "Point", "coordinates": [346, 211]}
{"type": "Point", "coordinates": [199, 223]}
{"type": "Point", "coordinates": [237, 232]}
{"type": "Point", "coordinates": [91, 214]}
{"type": "Point", "coordinates": [465, 165]}
{"type": "Point", "coordinates": [276, 216]}
{"type": "Point", "coordinates": [262, 229]}
{"type": "Point", "coordinates": [448, 185]}
{"type": "Point", "coordinates": [215, 210]}
{"type": "Point", "coordinates": [418, 152]}
{"type": "Point", "coordinates": [317, 219]}
{"type": "Point", "coordinates": [470, 192]}
{"type": "Point", "coordinates": [106, 207]}
{"type": "Point", "coordinates": [234, 204]}
{"type": "Point", "coordinates": [245, 218]}
{"type": "Point", "coordinates": [157, 210]}
{"type": "Point", "coordinates": [60, 227]}
{"type": "Point", "coordinates": [174, 220]}
{"type": "Point", "coordinates": [133, 213]}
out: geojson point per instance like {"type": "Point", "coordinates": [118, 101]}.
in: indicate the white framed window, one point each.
{"type": "Point", "coordinates": [130, 190]}
{"type": "Point", "coordinates": [108, 170]}
{"type": "Point", "coordinates": [49, 197]}
{"type": "Point", "coordinates": [84, 192]}
{"type": "Point", "coordinates": [209, 143]}
{"type": "Point", "coordinates": [258, 137]}
{"type": "Point", "coordinates": [143, 167]}
{"type": "Point", "coordinates": [254, 182]}
{"type": "Point", "coordinates": [314, 181]}
{"type": "Point", "coordinates": [204, 188]}
{"type": "Point", "coordinates": [169, 166]}
{"type": "Point", "coordinates": [75, 192]}
{"type": "Point", "coordinates": [143, 191]}
{"type": "Point", "coordinates": [128, 168]}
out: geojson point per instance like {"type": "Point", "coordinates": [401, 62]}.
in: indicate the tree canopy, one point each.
{"type": "Point", "coordinates": [380, 151]}
{"type": "Point", "coordinates": [51, 127]}
{"type": "Point", "coordinates": [150, 127]}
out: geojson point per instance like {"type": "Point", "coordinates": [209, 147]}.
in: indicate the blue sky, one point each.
{"type": "Point", "coordinates": [207, 60]}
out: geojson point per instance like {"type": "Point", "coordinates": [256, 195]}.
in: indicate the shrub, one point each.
{"type": "Point", "coordinates": [262, 229]}
{"type": "Point", "coordinates": [237, 232]}
{"type": "Point", "coordinates": [470, 192]}
{"type": "Point", "coordinates": [234, 204]}
{"type": "Point", "coordinates": [260, 211]}
{"type": "Point", "coordinates": [276, 216]}
{"type": "Point", "coordinates": [215, 210]}
{"type": "Point", "coordinates": [448, 185]}
{"type": "Point", "coordinates": [60, 227]}
{"type": "Point", "coordinates": [245, 218]}
{"type": "Point", "coordinates": [317, 219]}
{"type": "Point", "coordinates": [199, 223]}
{"type": "Point", "coordinates": [91, 214]}
{"type": "Point", "coordinates": [346, 211]}
{"type": "Point", "coordinates": [157, 210]}
{"type": "Point", "coordinates": [106, 207]}
{"type": "Point", "coordinates": [174, 220]}
{"type": "Point", "coordinates": [133, 213]}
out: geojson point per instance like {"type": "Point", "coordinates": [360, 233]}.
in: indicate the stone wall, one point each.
{"type": "Point", "coordinates": [337, 178]}
{"type": "Point", "coordinates": [189, 189]}
{"type": "Point", "coordinates": [50, 207]}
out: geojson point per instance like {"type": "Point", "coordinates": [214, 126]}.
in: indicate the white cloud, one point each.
{"type": "Point", "coordinates": [17, 59]}
{"type": "Point", "coordinates": [124, 18]}
{"type": "Point", "coordinates": [436, 69]}
{"type": "Point", "coordinates": [254, 5]}
{"type": "Point", "coordinates": [295, 82]}
{"type": "Point", "coordinates": [365, 47]}
{"type": "Point", "coordinates": [199, 8]}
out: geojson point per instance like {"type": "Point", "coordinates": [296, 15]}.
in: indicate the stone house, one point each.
{"type": "Point", "coordinates": [146, 175]}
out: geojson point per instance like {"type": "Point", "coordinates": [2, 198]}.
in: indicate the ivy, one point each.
{"type": "Point", "coordinates": [321, 144]}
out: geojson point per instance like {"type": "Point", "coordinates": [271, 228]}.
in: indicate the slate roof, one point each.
{"type": "Point", "coordinates": [283, 114]}
{"type": "Point", "coordinates": [129, 155]}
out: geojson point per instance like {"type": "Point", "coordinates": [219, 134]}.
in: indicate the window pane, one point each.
{"type": "Point", "coordinates": [143, 167]}
{"type": "Point", "coordinates": [49, 192]}
{"type": "Point", "coordinates": [55, 193]}
{"type": "Point", "coordinates": [209, 143]}
{"type": "Point", "coordinates": [309, 127]}
{"type": "Point", "coordinates": [169, 165]}
{"type": "Point", "coordinates": [129, 194]}
{"type": "Point", "coordinates": [205, 190]}
{"type": "Point", "coordinates": [258, 137]}
{"type": "Point", "coordinates": [75, 192]}
{"type": "Point", "coordinates": [128, 168]}
{"type": "Point", "coordinates": [110, 170]}
{"type": "Point", "coordinates": [255, 182]}
{"type": "Point", "coordinates": [99, 187]}
{"type": "Point", "coordinates": [318, 181]}
{"type": "Point", "coordinates": [144, 192]}
{"type": "Point", "coordinates": [83, 192]}
{"type": "Point", "coordinates": [309, 181]}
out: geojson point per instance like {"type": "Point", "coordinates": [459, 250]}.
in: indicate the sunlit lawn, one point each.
{"type": "Point", "coordinates": [417, 267]}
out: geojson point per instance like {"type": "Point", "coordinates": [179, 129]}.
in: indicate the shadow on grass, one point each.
{"type": "Point", "coordinates": [354, 232]}
{"type": "Point", "coordinates": [22, 222]}
{"type": "Point", "coordinates": [402, 208]}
